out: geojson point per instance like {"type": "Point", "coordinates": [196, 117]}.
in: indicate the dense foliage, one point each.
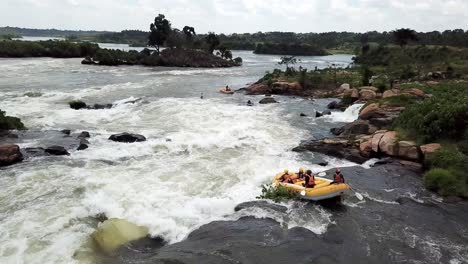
{"type": "Point", "coordinates": [56, 49]}
{"type": "Point", "coordinates": [9, 122]}
{"type": "Point", "coordinates": [276, 193]}
{"type": "Point", "coordinates": [289, 49]}
{"type": "Point", "coordinates": [443, 116]}
{"type": "Point", "coordinates": [447, 174]}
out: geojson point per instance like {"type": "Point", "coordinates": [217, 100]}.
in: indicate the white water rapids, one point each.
{"type": "Point", "coordinates": [201, 159]}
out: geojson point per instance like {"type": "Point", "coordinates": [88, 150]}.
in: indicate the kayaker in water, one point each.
{"type": "Point", "coordinates": [249, 103]}
{"type": "Point", "coordinates": [309, 179]}
{"type": "Point", "coordinates": [227, 88]}
{"type": "Point", "coordinates": [338, 177]}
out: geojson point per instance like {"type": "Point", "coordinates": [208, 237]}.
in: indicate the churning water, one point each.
{"type": "Point", "coordinates": [202, 157]}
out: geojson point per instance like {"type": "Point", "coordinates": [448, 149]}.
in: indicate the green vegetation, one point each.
{"type": "Point", "coordinates": [289, 49]}
{"type": "Point", "coordinates": [9, 122]}
{"type": "Point", "coordinates": [276, 193]}
{"type": "Point", "coordinates": [447, 174]}
{"type": "Point", "coordinates": [50, 48]}
{"type": "Point", "coordinates": [443, 116]}
{"type": "Point", "coordinates": [77, 104]}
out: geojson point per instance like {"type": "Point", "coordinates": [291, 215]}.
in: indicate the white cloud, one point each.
{"type": "Point", "coordinates": [239, 15]}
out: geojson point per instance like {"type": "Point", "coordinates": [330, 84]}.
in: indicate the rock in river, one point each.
{"type": "Point", "coordinates": [56, 151]}
{"type": "Point", "coordinates": [268, 100]}
{"type": "Point", "coordinates": [10, 154]}
{"type": "Point", "coordinates": [127, 138]}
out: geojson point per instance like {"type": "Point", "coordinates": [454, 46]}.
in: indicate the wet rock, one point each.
{"type": "Point", "coordinates": [56, 151]}
{"type": "Point", "coordinates": [376, 140]}
{"type": "Point", "coordinates": [359, 127]}
{"type": "Point", "coordinates": [268, 100]}
{"type": "Point", "coordinates": [84, 134]}
{"type": "Point", "coordinates": [368, 111]}
{"type": "Point", "coordinates": [388, 144]}
{"type": "Point", "coordinates": [326, 112]}
{"type": "Point", "coordinates": [302, 114]}
{"type": "Point", "coordinates": [127, 138]}
{"type": "Point", "coordinates": [10, 154]}
{"type": "Point", "coordinates": [88, 61]}
{"type": "Point", "coordinates": [66, 131]}
{"type": "Point", "coordinates": [34, 152]}
{"type": "Point", "coordinates": [114, 233]}
{"type": "Point", "coordinates": [262, 205]}
{"type": "Point", "coordinates": [337, 130]}
{"type": "Point", "coordinates": [323, 164]}
{"type": "Point", "coordinates": [258, 88]}
{"type": "Point", "coordinates": [408, 150]}
{"type": "Point", "coordinates": [333, 105]}
{"type": "Point", "coordinates": [100, 106]}
{"type": "Point", "coordinates": [336, 147]}
{"type": "Point", "coordinates": [83, 144]}
{"type": "Point", "coordinates": [318, 114]}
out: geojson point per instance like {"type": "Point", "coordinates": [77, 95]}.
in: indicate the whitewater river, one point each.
{"type": "Point", "coordinates": [201, 159]}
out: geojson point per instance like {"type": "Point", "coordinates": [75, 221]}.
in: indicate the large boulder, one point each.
{"type": "Point", "coordinates": [408, 150]}
{"type": "Point", "coordinates": [365, 148]}
{"type": "Point", "coordinates": [268, 100]}
{"type": "Point", "coordinates": [366, 94]}
{"type": "Point", "coordinates": [390, 93]}
{"type": "Point", "coordinates": [371, 88]}
{"type": "Point", "coordinates": [336, 147]}
{"type": "Point", "coordinates": [376, 140]}
{"type": "Point", "coordinates": [333, 105]}
{"type": "Point", "coordinates": [10, 154]}
{"type": "Point", "coordinates": [369, 111]}
{"type": "Point", "coordinates": [56, 151]}
{"type": "Point", "coordinates": [353, 93]}
{"type": "Point", "coordinates": [430, 149]}
{"type": "Point", "coordinates": [358, 127]}
{"type": "Point", "coordinates": [127, 138]}
{"type": "Point", "coordinates": [114, 233]}
{"type": "Point", "coordinates": [388, 143]}
{"type": "Point", "coordinates": [258, 88]}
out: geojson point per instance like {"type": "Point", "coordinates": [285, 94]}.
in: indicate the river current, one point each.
{"type": "Point", "coordinates": [201, 159]}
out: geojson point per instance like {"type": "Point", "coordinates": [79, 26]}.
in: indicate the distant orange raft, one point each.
{"type": "Point", "coordinates": [322, 190]}
{"type": "Point", "coordinates": [224, 91]}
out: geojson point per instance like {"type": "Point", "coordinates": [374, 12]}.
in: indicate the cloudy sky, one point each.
{"type": "Point", "coordinates": [227, 16]}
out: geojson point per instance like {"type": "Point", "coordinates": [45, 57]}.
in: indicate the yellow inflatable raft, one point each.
{"type": "Point", "coordinates": [322, 190]}
{"type": "Point", "coordinates": [224, 91]}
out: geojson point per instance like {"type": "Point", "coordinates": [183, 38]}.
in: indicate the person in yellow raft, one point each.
{"type": "Point", "coordinates": [338, 177]}
{"type": "Point", "coordinates": [286, 177]}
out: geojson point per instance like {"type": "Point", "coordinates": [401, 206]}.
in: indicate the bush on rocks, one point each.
{"type": "Point", "coordinates": [9, 122]}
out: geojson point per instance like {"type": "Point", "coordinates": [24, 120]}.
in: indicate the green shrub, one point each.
{"type": "Point", "coordinates": [77, 104]}
{"type": "Point", "coordinates": [277, 193]}
{"type": "Point", "coordinates": [9, 122]}
{"type": "Point", "coordinates": [442, 181]}
{"type": "Point", "coordinates": [447, 157]}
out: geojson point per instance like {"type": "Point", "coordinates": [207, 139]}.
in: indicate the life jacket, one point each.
{"type": "Point", "coordinates": [311, 181]}
{"type": "Point", "coordinates": [338, 178]}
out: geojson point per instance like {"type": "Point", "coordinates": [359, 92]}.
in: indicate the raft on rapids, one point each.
{"type": "Point", "coordinates": [321, 191]}
{"type": "Point", "coordinates": [224, 91]}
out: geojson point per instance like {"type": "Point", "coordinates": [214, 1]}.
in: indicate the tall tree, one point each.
{"type": "Point", "coordinates": [189, 33]}
{"type": "Point", "coordinates": [404, 35]}
{"type": "Point", "coordinates": [213, 41]}
{"type": "Point", "coordinates": [160, 31]}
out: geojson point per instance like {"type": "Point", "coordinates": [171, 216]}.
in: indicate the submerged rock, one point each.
{"type": "Point", "coordinates": [10, 154]}
{"type": "Point", "coordinates": [56, 151]}
{"type": "Point", "coordinates": [268, 100]}
{"type": "Point", "coordinates": [127, 138]}
{"type": "Point", "coordinates": [84, 134]}
{"type": "Point", "coordinates": [114, 233]}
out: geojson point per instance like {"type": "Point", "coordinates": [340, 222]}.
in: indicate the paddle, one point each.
{"type": "Point", "coordinates": [358, 195]}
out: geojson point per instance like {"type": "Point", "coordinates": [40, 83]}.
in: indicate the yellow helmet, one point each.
{"type": "Point", "coordinates": [286, 170]}
{"type": "Point", "coordinates": [301, 169]}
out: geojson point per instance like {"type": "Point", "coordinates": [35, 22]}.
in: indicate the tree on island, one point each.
{"type": "Point", "coordinates": [189, 33]}
{"type": "Point", "coordinates": [160, 31]}
{"type": "Point", "coordinates": [213, 41]}
{"type": "Point", "coordinates": [404, 35]}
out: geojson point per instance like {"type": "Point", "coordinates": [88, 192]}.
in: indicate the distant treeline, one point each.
{"type": "Point", "coordinates": [48, 32]}
{"type": "Point", "coordinates": [50, 48]}
{"type": "Point", "coordinates": [289, 49]}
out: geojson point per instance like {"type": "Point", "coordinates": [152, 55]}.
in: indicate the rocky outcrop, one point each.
{"type": "Point", "coordinates": [390, 93]}
{"type": "Point", "coordinates": [10, 154]}
{"type": "Point", "coordinates": [380, 116]}
{"type": "Point", "coordinates": [408, 150]}
{"type": "Point", "coordinates": [359, 127]}
{"type": "Point", "coordinates": [336, 147]}
{"type": "Point", "coordinates": [127, 138]}
{"type": "Point", "coordinates": [84, 134]}
{"type": "Point", "coordinates": [56, 151]}
{"type": "Point", "coordinates": [429, 149]}
{"type": "Point", "coordinates": [388, 143]}
{"type": "Point", "coordinates": [258, 88]}
{"type": "Point", "coordinates": [333, 105]}
{"type": "Point", "coordinates": [268, 100]}
{"type": "Point", "coordinates": [367, 94]}
{"type": "Point", "coordinates": [326, 112]}
{"type": "Point", "coordinates": [83, 144]}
